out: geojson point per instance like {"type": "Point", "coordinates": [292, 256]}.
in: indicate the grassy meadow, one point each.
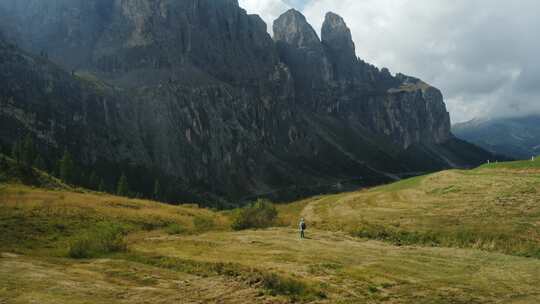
{"type": "Point", "coordinates": [450, 237]}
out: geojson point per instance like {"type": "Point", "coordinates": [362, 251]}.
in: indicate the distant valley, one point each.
{"type": "Point", "coordinates": [518, 138]}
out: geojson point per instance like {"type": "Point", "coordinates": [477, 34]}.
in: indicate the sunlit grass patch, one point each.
{"type": "Point", "coordinates": [102, 239]}
{"type": "Point", "coordinates": [41, 221]}
{"type": "Point", "coordinates": [401, 185]}
{"type": "Point", "coordinates": [521, 164]}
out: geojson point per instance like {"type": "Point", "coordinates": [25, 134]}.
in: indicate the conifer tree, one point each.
{"type": "Point", "coordinates": [93, 181]}
{"type": "Point", "coordinates": [39, 163]}
{"type": "Point", "coordinates": [28, 151]}
{"type": "Point", "coordinates": [67, 168]}
{"type": "Point", "coordinates": [16, 151]}
{"type": "Point", "coordinates": [157, 190]}
{"type": "Point", "coordinates": [123, 186]}
{"type": "Point", "coordinates": [101, 187]}
{"type": "Point", "coordinates": [3, 163]}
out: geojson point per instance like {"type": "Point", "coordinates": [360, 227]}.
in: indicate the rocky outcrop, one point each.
{"type": "Point", "coordinates": [91, 118]}
{"type": "Point", "coordinates": [198, 90]}
{"type": "Point", "coordinates": [331, 79]}
{"type": "Point", "coordinates": [293, 28]}
{"type": "Point", "coordinates": [337, 38]}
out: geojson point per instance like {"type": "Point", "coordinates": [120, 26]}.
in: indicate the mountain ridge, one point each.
{"type": "Point", "coordinates": [515, 137]}
{"type": "Point", "coordinates": [206, 99]}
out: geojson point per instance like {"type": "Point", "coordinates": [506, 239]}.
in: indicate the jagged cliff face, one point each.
{"type": "Point", "coordinates": [330, 79]}
{"type": "Point", "coordinates": [61, 111]}
{"type": "Point", "coordinates": [199, 90]}
{"type": "Point", "coordinates": [125, 39]}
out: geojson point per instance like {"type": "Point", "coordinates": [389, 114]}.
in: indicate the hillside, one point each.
{"type": "Point", "coordinates": [196, 95]}
{"type": "Point", "coordinates": [517, 137]}
{"type": "Point", "coordinates": [450, 237]}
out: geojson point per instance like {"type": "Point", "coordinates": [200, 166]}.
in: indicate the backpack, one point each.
{"type": "Point", "coordinates": [303, 226]}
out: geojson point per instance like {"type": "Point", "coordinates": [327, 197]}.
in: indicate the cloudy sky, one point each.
{"type": "Point", "coordinates": [483, 54]}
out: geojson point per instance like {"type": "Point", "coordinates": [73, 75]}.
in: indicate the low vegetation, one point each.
{"type": "Point", "coordinates": [522, 164]}
{"type": "Point", "coordinates": [492, 208]}
{"type": "Point", "coordinates": [102, 239]}
{"type": "Point", "coordinates": [13, 171]}
{"type": "Point", "coordinates": [449, 237]}
{"type": "Point", "coordinates": [40, 221]}
{"type": "Point", "coordinates": [174, 229]}
{"type": "Point", "coordinates": [260, 214]}
{"type": "Point", "coordinates": [274, 284]}
{"type": "Point", "coordinates": [459, 238]}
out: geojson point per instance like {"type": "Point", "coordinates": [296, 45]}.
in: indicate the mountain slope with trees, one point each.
{"type": "Point", "coordinates": [517, 137]}
{"type": "Point", "coordinates": [197, 97]}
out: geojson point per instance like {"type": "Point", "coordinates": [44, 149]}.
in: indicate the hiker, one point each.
{"type": "Point", "coordinates": [302, 226]}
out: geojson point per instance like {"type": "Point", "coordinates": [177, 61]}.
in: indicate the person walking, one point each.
{"type": "Point", "coordinates": [302, 226]}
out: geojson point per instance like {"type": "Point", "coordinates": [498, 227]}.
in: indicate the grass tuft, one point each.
{"type": "Point", "coordinates": [105, 238]}
{"type": "Point", "coordinates": [461, 238]}
{"type": "Point", "coordinates": [174, 229]}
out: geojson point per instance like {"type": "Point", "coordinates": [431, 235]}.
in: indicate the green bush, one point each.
{"type": "Point", "coordinates": [104, 238]}
{"type": "Point", "coordinates": [261, 214]}
{"type": "Point", "coordinates": [174, 229]}
{"type": "Point", "coordinates": [203, 223]}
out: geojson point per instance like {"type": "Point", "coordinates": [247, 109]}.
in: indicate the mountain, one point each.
{"type": "Point", "coordinates": [196, 94]}
{"type": "Point", "coordinates": [517, 137]}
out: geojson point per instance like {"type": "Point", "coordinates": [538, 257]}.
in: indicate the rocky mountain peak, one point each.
{"type": "Point", "coordinates": [205, 95]}
{"type": "Point", "coordinates": [337, 36]}
{"type": "Point", "coordinates": [293, 28]}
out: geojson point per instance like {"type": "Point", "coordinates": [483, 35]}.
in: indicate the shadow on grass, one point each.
{"type": "Point", "coordinates": [461, 238]}
{"type": "Point", "coordinates": [295, 289]}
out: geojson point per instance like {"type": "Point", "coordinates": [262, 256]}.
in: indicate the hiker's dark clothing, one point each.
{"type": "Point", "coordinates": [302, 226]}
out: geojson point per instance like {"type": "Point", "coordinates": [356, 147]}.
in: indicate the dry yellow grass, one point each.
{"type": "Point", "coordinates": [360, 271]}
{"type": "Point", "coordinates": [451, 237]}
{"type": "Point", "coordinates": [37, 219]}
{"type": "Point", "coordinates": [485, 208]}
{"type": "Point", "coordinates": [44, 281]}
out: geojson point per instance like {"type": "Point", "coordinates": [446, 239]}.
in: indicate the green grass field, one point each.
{"type": "Point", "coordinates": [450, 237]}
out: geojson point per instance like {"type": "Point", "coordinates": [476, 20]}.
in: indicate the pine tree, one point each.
{"type": "Point", "coordinates": [40, 163]}
{"type": "Point", "coordinates": [157, 190]}
{"type": "Point", "coordinates": [3, 163]}
{"type": "Point", "coordinates": [93, 181]}
{"type": "Point", "coordinates": [16, 151]}
{"type": "Point", "coordinates": [101, 187]}
{"type": "Point", "coordinates": [67, 168]}
{"type": "Point", "coordinates": [123, 187]}
{"type": "Point", "coordinates": [28, 151]}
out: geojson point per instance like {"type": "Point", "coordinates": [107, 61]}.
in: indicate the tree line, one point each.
{"type": "Point", "coordinates": [25, 153]}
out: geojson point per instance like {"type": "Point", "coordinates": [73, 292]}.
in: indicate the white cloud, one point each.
{"type": "Point", "coordinates": [269, 10]}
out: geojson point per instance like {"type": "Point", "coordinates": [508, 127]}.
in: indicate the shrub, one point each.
{"type": "Point", "coordinates": [174, 229]}
{"type": "Point", "coordinates": [203, 223]}
{"type": "Point", "coordinates": [81, 248]}
{"type": "Point", "coordinates": [261, 214]}
{"type": "Point", "coordinates": [104, 238]}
